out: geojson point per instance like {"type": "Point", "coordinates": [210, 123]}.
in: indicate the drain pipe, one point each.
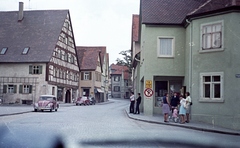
{"type": "Point", "coordinates": [190, 57]}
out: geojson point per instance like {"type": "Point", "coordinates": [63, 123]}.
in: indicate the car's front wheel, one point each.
{"type": "Point", "coordinates": [35, 110]}
{"type": "Point", "coordinates": [56, 110]}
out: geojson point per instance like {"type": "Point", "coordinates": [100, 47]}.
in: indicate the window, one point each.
{"type": "Point", "coordinates": [86, 75]}
{"type": "Point", "coordinates": [165, 46]}
{"type": "Point", "coordinates": [212, 38]}
{"type": "Point", "coordinates": [25, 50]}
{"type": "Point", "coordinates": [35, 69]}
{"type": "Point", "coordinates": [25, 89]}
{"type": "Point", "coordinates": [9, 88]}
{"type": "Point", "coordinates": [211, 87]}
{"type": "Point", "coordinates": [116, 78]}
{"type": "Point", "coordinates": [116, 88]}
{"type": "Point", "coordinates": [3, 51]}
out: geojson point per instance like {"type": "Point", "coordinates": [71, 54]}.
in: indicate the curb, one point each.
{"type": "Point", "coordinates": [183, 126]}
{"type": "Point", "coordinates": [15, 113]}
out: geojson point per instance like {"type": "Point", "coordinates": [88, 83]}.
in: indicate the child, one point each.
{"type": "Point", "coordinates": [175, 115]}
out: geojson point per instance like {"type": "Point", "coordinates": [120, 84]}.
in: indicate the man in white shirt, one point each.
{"type": "Point", "coordinates": [132, 100]}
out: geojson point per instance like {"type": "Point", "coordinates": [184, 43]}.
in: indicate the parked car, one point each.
{"type": "Point", "coordinates": [46, 102]}
{"type": "Point", "coordinates": [83, 101]}
{"type": "Point", "coordinates": [92, 100]}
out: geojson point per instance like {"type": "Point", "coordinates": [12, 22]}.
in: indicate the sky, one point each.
{"type": "Point", "coordinates": [95, 22]}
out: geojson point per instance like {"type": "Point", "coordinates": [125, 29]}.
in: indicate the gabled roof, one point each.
{"type": "Point", "coordinates": [167, 11]}
{"type": "Point", "coordinates": [119, 69]}
{"type": "Point", "coordinates": [38, 30]}
{"type": "Point", "coordinates": [88, 57]}
{"type": "Point", "coordinates": [174, 12]}
{"type": "Point", "coordinates": [214, 5]}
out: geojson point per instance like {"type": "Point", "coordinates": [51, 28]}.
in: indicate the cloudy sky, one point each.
{"type": "Point", "coordinates": [95, 22]}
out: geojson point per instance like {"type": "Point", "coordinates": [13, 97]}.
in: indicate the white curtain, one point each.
{"type": "Point", "coordinates": [166, 46]}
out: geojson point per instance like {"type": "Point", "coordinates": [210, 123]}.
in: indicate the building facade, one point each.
{"type": "Point", "coordinates": [182, 47]}
{"type": "Point", "coordinates": [94, 72]}
{"type": "Point", "coordinates": [37, 56]}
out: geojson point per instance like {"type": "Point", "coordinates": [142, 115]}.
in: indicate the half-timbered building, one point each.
{"type": "Point", "coordinates": [37, 56]}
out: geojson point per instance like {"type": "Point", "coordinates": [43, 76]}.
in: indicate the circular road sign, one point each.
{"type": "Point", "coordinates": [148, 92]}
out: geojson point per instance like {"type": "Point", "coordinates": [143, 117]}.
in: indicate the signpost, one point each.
{"type": "Point", "coordinates": [148, 92]}
{"type": "Point", "coordinates": [148, 84]}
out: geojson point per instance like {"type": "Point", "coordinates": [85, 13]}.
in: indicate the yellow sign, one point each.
{"type": "Point", "coordinates": [148, 84]}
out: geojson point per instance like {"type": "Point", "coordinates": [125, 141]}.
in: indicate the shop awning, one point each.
{"type": "Point", "coordinates": [99, 90]}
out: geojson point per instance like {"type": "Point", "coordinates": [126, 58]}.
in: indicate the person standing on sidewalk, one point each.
{"type": "Point", "coordinates": [174, 101]}
{"type": "Point", "coordinates": [132, 100]}
{"type": "Point", "coordinates": [188, 106]}
{"type": "Point", "coordinates": [166, 107]}
{"type": "Point", "coordinates": [182, 110]}
{"type": "Point", "coordinates": [138, 103]}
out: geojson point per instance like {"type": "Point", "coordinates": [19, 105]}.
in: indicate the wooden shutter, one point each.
{"type": "Point", "coordinates": [15, 89]}
{"type": "Point", "coordinates": [82, 74]}
{"type": "Point", "coordinates": [30, 89]}
{"type": "Point", "coordinates": [30, 69]}
{"type": "Point", "coordinates": [40, 69]}
{"type": "Point", "coordinates": [90, 75]}
{"type": "Point", "coordinates": [4, 89]}
{"type": "Point", "coordinates": [20, 89]}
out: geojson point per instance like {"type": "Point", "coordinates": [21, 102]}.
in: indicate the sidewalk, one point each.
{"type": "Point", "coordinates": [158, 119]}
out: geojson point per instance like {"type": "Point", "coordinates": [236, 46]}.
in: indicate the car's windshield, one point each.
{"type": "Point", "coordinates": [46, 98]}
{"type": "Point", "coordinates": [120, 73]}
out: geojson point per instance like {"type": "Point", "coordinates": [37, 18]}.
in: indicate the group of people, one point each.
{"type": "Point", "coordinates": [171, 106]}
{"type": "Point", "coordinates": [133, 100]}
{"type": "Point", "coordinates": [168, 106]}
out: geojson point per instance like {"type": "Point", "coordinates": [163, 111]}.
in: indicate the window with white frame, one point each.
{"type": "Point", "coordinates": [116, 78]}
{"type": "Point", "coordinates": [166, 46]}
{"type": "Point", "coordinates": [10, 89]}
{"type": "Point", "coordinates": [86, 75]}
{"type": "Point", "coordinates": [25, 89]}
{"type": "Point", "coordinates": [211, 88]}
{"type": "Point", "coordinates": [211, 36]}
{"type": "Point", "coordinates": [35, 69]}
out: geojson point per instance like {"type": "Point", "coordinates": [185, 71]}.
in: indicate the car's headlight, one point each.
{"type": "Point", "coordinates": [49, 105]}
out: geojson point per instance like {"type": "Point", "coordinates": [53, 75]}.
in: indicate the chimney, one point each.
{"type": "Point", "coordinates": [20, 13]}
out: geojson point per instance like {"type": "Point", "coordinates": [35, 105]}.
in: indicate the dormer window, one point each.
{"type": "Point", "coordinates": [25, 50]}
{"type": "Point", "coordinates": [3, 51]}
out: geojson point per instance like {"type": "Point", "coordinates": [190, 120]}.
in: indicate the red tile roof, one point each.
{"type": "Point", "coordinates": [88, 56]}
{"type": "Point", "coordinates": [135, 27]}
{"type": "Point", "coordinates": [118, 69]}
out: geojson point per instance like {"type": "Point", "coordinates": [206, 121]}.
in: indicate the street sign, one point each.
{"type": "Point", "coordinates": [148, 92]}
{"type": "Point", "coordinates": [148, 84]}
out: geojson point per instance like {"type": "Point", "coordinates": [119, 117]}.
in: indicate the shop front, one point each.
{"type": "Point", "coordinates": [163, 85]}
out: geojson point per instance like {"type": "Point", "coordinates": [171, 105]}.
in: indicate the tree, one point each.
{"type": "Point", "coordinates": [127, 59]}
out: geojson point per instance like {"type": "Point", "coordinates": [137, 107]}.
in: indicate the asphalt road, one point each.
{"type": "Point", "coordinates": [101, 125]}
